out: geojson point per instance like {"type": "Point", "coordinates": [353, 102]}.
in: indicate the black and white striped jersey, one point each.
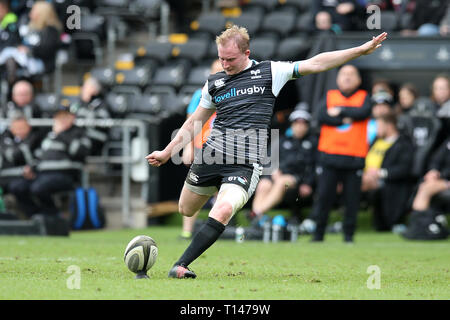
{"type": "Point", "coordinates": [244, 104]}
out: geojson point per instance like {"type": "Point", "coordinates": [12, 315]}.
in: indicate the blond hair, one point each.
{"type": "Point", "coordinates": [237, 34]}
{"type": "Point", "coordinates": [46, 16]}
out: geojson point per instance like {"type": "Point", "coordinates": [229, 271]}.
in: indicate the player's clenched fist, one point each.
{"type": "Point", "coordinates": [157, 158]}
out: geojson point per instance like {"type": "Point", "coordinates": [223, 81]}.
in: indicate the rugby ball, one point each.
{"type": "Point", "coordinates": [140, 255]}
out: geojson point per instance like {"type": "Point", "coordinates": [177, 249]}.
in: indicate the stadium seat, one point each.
{"type": "Point", "coordinates": [93, 23]}
{"type": "Point", "coordinates": [266, 5]}
{"type": "Point", "coordinates": [211, 24]}
{"type": "Point", "coordinates": [248, 20]}
{"type": "Point", "coordinates": [145, 104]}
{"type": "Point", "coordinates": [297, 5]}
{"type": "Point", "coordinates": [170, 75]}
{"type": "Point", "coordinates": [194, 50]}
{"type": "Point", "coordinates": [198, 75]}
{"type": "Point", "coordinates": [262, 48]}
{"type": "Point", "coordinates": [106, 76]}
{"type": "Point", "coordinates": [86, 49]}
{"type": "Point", "coordinates": [304, 23]}
{"type": "Point", "coordinates": [280, 23]}
{"type": "Point", "coordinates": [186, 93]}
{"type": "Point", "coordinates": [155, 50]}
{"type": "Point", "coordinates": [120, 100]}
{"type": "Point", "coordinates": [48, 103]}
{"type": "Point", "coordinates": [148, 8]}
{"type": "Point", "coordinates": [137, 77]}
{"type": "Point", "coordinates": [292, 49]}
{"type": "Point", "coordinates": [424, 130]}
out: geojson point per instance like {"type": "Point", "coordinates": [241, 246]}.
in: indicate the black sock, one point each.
{"type": "Point", "coordinates": [203, 239]}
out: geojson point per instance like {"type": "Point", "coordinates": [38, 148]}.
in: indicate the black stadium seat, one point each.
{"type": "Point", "coordinates": [198, 75]}
{"type": "Point", "coordinates": [248, 20]}
{"type": "Point", "coordinates": [388, 21]}
{"type": "Point", "coordinates": [266, 5]}
{"type": "Point", "coordinates": [262, 48]}
{"type": "Point", "coordinates": [170, 75]}
{"type": "Point", "coordinates": [194, 50]}
{"type": "Point", "coordinates": [292, 49]}
{"type": "Point", "coordinates": [155, 50]}
{"type": "Point", "coordinates": [281, 23]}
{"type": "Point", "coordinates": [119, 103]}
{"type": "Point", "coordinates": [138, 76]}
{"type": "Point", "coordinates": [47, 103]}
{"type": "Point", "coordinates": [104, 75]}
{"type": "Point", "coordinates": [209, 23]}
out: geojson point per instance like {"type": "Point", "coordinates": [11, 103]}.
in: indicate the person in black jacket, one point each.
{"type": "Point", "coordinates": [436, 180]}
{"type": "Point", "coordinates": [58, 162]}
{"type": "Point", "coordinates": [17, 145]}
{"type": "Point", "coordinates": [296, 170]}
{"type": "Point", "coordinates": [387, 173]}
{"type": "Point", "coordinates": [93, 106]}
{"type": "Point", "coordinates": [9, 31]}
{"type": "Point", "coordinates": [22, 101]}
{"type": "Point", "coordinates": [37, 53]}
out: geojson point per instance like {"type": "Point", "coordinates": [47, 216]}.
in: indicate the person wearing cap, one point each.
{"type": "Point", "coordinates": [56, 166]}
{"type": "Point", "coordinates": [381, 105]}
{"type": "Point", "coordinates": [296, 169]}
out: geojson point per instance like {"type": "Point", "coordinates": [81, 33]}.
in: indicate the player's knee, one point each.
{"type": "Point", "coordinates": [222, 212]}
{"type": "Point", "coordinates": [185, 211]}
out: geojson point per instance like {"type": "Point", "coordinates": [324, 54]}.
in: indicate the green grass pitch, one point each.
{"type": "Point", "coordinates": [37, 268]}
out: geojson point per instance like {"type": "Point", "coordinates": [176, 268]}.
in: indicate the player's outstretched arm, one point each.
{"type": "Point", "coordinates": [190, 128]}
{"type": "Point", "coordinates": [328, 60]}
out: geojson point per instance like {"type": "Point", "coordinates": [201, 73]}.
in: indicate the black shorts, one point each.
{"type": "Point", "coordinates": [209, 177]}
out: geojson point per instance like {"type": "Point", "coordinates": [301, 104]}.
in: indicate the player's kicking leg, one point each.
{"type": "Point", "coordinates": [230, 199]}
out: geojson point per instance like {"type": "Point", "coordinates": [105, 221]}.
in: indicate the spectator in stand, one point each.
{"type": "Point", "coordinates": [440, 96]}
{"type": "Point", "coordinates": [382, 85]}
{"type": "Point", "coordinates": [344, 13]}
{"type": "Point", "coordinates": [296, 170]}
{"type": "Point", "coordinates": [92, 105]}
{"type": "Point", "coordinates": [426, 18]}
{"type": "Point", "coordinates": [58, 162]}
{"type": "Point", "coordinates": [436, 180]}
{"type": "Point", "coordinates": [387, 173]}
{"type": "Point", "coordinates": [444, 28]}
{"type": "Point", "coordinates": [343, 146]}
{"type": "Point", "coordinates": [37, 53]}
{"type": "Point", "coordinates": [381, 105]}
{"type": "Point", "coordinates": [17, 145]}
{"type": "Point", "coordinates": [9, 31]}
{"type": "Point", "coordinates": [407, 96]}
{"type": "Point", "coordinates": [23, 101]}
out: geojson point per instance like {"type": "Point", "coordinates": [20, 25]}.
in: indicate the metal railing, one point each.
{"type": "Point", "coordinates": [126, 159]}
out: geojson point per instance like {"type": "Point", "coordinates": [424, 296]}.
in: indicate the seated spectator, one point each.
{"type": "Point", "coordinates": [57, 166]}
{"type": "Point", "coordinates": [37, 53]}
{"type": "Point", "coordinates": [344, 13]}
{"type": "Point", "coordinates": [407, 95]}
{"type": "Point", "coordinates": [381, 105]}
{"type": "Point", "coordinates": [382, 85]}
{"type": "Point", "coordinates": [17, 145]}
{"type": "Point", "coordinates": [440, 95]}
{"type": "Point", "coordinates": [9, 31]}
{"type": "Point", "coordinates": [426, 18]}
{"type": "Point", "coordinates": [296, 168]}
{"type": "Point", "coordinates": [387, 173]}
{"type": "Point", "coordinates": [323, 22]}
{"type": "Point", "coordinates": [435, 181]}
{"type": "Point", "coordinates": [92, 105]}
{"type": "Point", "coordinates": [22, 100]}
